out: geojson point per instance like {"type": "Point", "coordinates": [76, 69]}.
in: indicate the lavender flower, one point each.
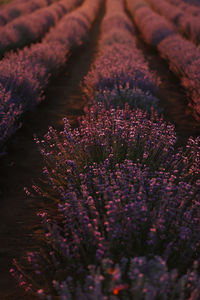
{"type": "Point", "coordinates": [147, 278]}
{"type": "Point", "coordinates": [186, 24]}
{"type": "Point", "coordinates": [25, 74]}
{"type": "Point", "coordinates": [23, 31]}
{"type": "Point", "coordinates": [153, 27]}
{"type": "Point", "coordinates": [16, 9]}
{"type": "Point", "coordinates": [182, 55]}
{"type": "Point", "coordinates": [118, 133]}
{"type": "Point", "coordinates": [121, 190]}
{"type": "Point", "coordinates": [120, 73]}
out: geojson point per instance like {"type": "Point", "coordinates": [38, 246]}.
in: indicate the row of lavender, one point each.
{"type": "Point", "coordinates": [24, 75]}
{"type": "Point", "coordinates": [189, 7]}
{"type": "Point", "coordinates": [120, 73]}
{"type": "Point", "coordinates": [14, 10]}
{"type": "Point", "coordinates": [121, 217]}
{"type": "Point", "coordinates": [187, 25]}
{"type": "Point", "coordinates": [182, 55]}
{"type": "Point", "coordinates": [25, 30]}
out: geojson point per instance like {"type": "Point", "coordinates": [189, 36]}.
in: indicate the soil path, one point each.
{"type": "Point", "coordinates": [18, 220]}
{"type": "Point", "coordinates": [171, 94]}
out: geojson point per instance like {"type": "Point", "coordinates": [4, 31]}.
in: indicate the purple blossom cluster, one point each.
{"type": "Point", "coordinates": [121, 190]}
{"type": "Point", "coordinates": [188, 7]}
{"type": "Point", "coordinates": [154, 28]}
{"type": "Point", "coordinates": [114, 208]}
{"type": "Point", "coordinates": [148, 278]}
{"type": "Point", "coordinates": [184, 60]}
{"type": "Point", "coordinates": [16, 9]}
{"type": "Point", "coordinates": [25, 74]}
{"type": "Point", "coordinates": [23, 31]}
{"type": "Point", "coordinates": [120, 73]}
{"type": "Point", "coordinates": [187, 25]}
{"type": "Point", "coordinates": [183, 56]}
{"type": "Point", "coordinates": [121, 215]}
{"type": "Point", "coordinates": [117, 133]}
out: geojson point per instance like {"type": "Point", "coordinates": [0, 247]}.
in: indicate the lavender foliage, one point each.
{"type": "Point", "coordinates": [187, 25]}
{"type": "Point", "coordinates": [149, 279]}
{"type": "Point", "coordinates": [183, 56]}
{"type": "Point", "coordinates": [23, 31]}
{"type": "Point", "coordinates": [117, 133]}
{"type": "Point", "coordinates": [184, 59]}
{"type": "Point", "coordinates": [120, 73]}
{"type": "Point", "coordinates": [188, 7]}
{"type": "Point", "coordinates": [153, 27]}
{"type": "Point", "coordinates": [121, 217]}
{"type": "Point", "coordinates": [16, 9]}
{"type": "Point", "coordinates": [25, 74]}
{"type": "Point", "coordinates": [125, 209]}
{"type": "Point", "coordinates": [117, 202]}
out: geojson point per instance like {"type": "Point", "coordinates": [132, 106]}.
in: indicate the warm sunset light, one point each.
{"type": "Point", "coordinates": [100, 149]}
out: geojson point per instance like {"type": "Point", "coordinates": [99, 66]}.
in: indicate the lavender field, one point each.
{"type": "Point", "coordinates": [100, 149]}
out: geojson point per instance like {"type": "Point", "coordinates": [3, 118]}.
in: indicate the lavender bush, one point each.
{"type": "Point", "coordinates": [120, 94]}
{"type": "Point", "coordinates": [170, 12]}
{"type": "Point", "coordinates": [25, 74]}
{"type": "Point", "coordinates": [188, 7]}
{"type": "Point", "coordinates": [124, 209]}
{"type": "Point", "coordinates": [120, 133]}
{"type": "Point", "coordinates": [120, 73]}
{"type": "Point", "coordinates": [23, 31]}
{"type": "Point", "coordinates": [186, 24]}
{"type": "Point", "coordinates": [182, 55]}
{"type": "Point", "coordinates": [122, 191]}
{"type": "Point", "coordinates": [153, 27]}
{"type": "Point", "coordinates": [16, 9]}
{"type": "Point", "coordinates": [149, 279]}
{"type": "Point", "coordinates": [183, 58]}
{"type": "Point", "coordinates": [121, 217]}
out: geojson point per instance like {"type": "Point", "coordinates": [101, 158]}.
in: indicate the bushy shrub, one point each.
{"type": "Point", "coordinates": [23, 31]}
{"type": "Point", "coordinates": [153, 27]}
{"type": "Point", "coordinates": [25, 74]}
{"type": "Point", "coordinates": [123, 194]}
{"type": "Point", "coordinates": [120, 72]}
{"type": "Point", "coordinates": [120, 133]}
{"type": "Point", "coordinates": [125, 69]}
{"type": "Point", "coordinates": [16, 9]}
{"type": "Point", "coordinates": [121, 217]}
{"type": "Point", "coordinates": [140, 278]}
{"type": "Point", "coordinates": [119, 95]}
